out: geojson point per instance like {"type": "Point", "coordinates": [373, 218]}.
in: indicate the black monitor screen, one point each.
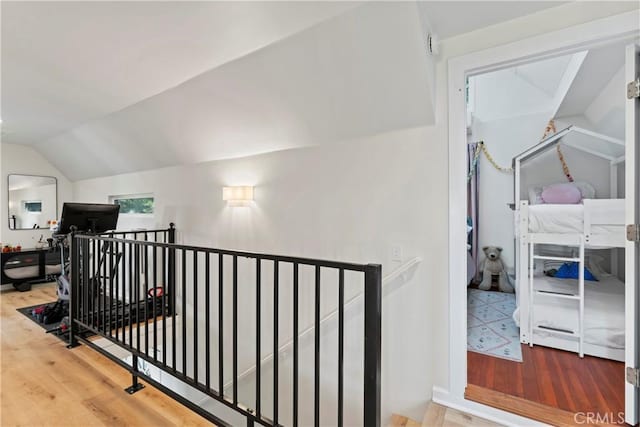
{"type": "Point", "coordinates": [88, 217]}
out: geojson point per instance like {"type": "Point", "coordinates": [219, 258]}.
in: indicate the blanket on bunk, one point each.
{"type": "Point", "coordinates": [604, 321]}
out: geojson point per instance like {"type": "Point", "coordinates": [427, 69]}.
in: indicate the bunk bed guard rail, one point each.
{"type": "Point", "coordinates": [148, 296]}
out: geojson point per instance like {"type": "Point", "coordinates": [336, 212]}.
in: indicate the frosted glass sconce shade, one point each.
{"type": "Point", "coordinates": [237, 196]}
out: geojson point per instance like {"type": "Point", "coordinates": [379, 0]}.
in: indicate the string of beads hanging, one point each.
{"type": "Point", "coordinates": [550, 129]}
{"type": "Point", "coordinates": [482, 148]}
{"type": "Point", "coordinates": [493, 162]}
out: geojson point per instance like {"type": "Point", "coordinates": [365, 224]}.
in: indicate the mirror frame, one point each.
{"type": "Point", "coordinates": [9, 198]}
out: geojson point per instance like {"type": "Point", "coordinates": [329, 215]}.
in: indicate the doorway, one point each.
{"type": "Point", "coordinates": [464, 70]}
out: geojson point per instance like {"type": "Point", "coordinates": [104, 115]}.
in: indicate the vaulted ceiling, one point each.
{"type": "Point", "coordinates": [102, 88]}
{"type": "Point", "coordinates": [65, 63]}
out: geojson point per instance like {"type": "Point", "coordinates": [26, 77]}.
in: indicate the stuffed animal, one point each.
{"type": "Point", "coordinates": [492, 266]}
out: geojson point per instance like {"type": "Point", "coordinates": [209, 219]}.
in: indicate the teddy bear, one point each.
{"type": "Point", "coordinates": [491, 266]}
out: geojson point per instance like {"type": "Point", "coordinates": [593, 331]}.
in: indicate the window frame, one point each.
{"type": "Point", "coordinates": [26, 202]}
{"type": "Point", "coordinates": [114, 198]}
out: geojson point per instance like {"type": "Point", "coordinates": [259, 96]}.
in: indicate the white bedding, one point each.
{"type": "Point", "coordinates": [562, 219]}
{"type": "Point", "coordinates": [603, 311]}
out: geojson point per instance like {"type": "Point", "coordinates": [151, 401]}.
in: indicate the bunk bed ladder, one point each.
{"type": "Point", "coordinates": [579, 297]}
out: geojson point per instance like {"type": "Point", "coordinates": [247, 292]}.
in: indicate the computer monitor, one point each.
{"type": "Point", "coordinates": [88, 217]}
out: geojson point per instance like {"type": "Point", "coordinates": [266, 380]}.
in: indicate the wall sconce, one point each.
{"type": "Point", "coordinates": [237, 196]}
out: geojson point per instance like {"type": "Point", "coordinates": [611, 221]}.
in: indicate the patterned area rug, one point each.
{"type": "Point", "coordinates": [490, 326]}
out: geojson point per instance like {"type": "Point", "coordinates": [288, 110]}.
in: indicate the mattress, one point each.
{"type": "Point", "coordinates": [547, 218]}
{"type": "Point", "coordinates": [603, 309]}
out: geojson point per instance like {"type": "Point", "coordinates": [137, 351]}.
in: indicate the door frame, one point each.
{"type": "Point", "coordinates": [617, 28]}
{"type": "Point", "coordinates": [632, 213]}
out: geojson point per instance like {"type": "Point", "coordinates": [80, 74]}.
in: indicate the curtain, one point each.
{"type": "Point", "coordinates": [472, 211]}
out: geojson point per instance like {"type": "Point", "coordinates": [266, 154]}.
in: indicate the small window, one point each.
{"type": "Point", "coordinates": [141, 204]}
{"type": "Point", "coordinates": [33, 206]}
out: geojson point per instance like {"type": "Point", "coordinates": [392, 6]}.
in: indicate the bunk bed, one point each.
{"type": "Point", "coordinates": [573, 314]}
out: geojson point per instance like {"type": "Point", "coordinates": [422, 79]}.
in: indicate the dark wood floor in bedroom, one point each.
{"type": "Point", "coordinates": [553, 377]}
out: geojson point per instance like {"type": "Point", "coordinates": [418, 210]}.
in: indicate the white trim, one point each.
{"type": "Point", "coordinates": [599, 136]}
{"type": "Point", "coordinates": [113, 198]}
{"type": "Point", "coordinates": [557, 138]}
{"type": "Point", "coordinates": [569, 40]}
{"type": "Point", "coordinates": [632, 250]}
{"type": "Point", "coordinates": [619, 160]}
{"type": "Point", "coordinates": [589, 151]}
{"type": "Point", "coordinates": [567, 79]}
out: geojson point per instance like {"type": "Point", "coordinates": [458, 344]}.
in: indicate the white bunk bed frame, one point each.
{"type": "Point", "coordinates": [596, 213]}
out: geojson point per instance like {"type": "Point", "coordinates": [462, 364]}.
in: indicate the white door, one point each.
{"type": "Point", "coordinates": [632, 251]}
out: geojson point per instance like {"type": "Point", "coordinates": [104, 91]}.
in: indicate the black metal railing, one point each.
{"type": "Point", "coordinates": [147, 295]}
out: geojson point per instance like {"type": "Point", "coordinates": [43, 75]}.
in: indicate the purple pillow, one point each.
{"type": "Point", "coordinates": [561, 194]}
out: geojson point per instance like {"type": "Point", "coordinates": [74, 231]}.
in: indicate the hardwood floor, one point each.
{"type": "Point", "coordinates": [44, 383]}
{"type": "Point", "coordinates": [553, 377]}
{"type": "Point", "coordinates": [537, 411]}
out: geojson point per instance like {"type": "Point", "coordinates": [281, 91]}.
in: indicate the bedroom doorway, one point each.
{"type": "Point", "coordinates": [535, 329]}
{"type": "Point", "coordinates": [557, 351]}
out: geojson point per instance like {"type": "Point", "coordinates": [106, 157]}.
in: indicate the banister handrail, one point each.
{"type": "Point", "coordinates": [243, 254]}
{"type": "Point", "coordinates": [385, 280]}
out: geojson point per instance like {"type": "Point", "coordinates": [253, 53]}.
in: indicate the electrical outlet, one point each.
{"type": "Point", "coordinates": [396, 253]}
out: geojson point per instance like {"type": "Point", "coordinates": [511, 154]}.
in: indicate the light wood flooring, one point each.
{"type": "Point", "coordinates": [441, 416]}
{"type": "Point", "coordinates": [44, 383]}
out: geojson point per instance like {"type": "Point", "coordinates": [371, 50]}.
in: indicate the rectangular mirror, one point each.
{"type": "Point", "coordinates": [33, 201]}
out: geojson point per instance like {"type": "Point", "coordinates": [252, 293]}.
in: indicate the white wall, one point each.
{"type": "Point", "coordinates": [504, 138]}
{"type": "Point", "coordinates": [607, 109]}
{"type": "Point", "coordinates": [20, 159]}
{"type": "Point", "coordinates": [347, 201]}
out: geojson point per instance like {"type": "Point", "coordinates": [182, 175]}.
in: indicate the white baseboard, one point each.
{"type": "Point", "coordinates": [443, 397]}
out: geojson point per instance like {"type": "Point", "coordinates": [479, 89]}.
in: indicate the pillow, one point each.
{"type": "Point", "coordinates": [586, 189]}
{"type": "Point", "coordinates": [561, 194]}
{"type": "Point", "coordinates": [569, 270]}
{"type": "Point", "coordinates": [535, 194]}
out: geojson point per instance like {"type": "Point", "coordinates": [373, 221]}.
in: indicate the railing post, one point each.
{"type": "Point", "coordinates": [74, 285]}
{"type": "Point", "coordinates": [372, 343]}
{"type": "Point", "coordinates": [171, 268]}
{"type": "Point", "coordinates": [135, 385]}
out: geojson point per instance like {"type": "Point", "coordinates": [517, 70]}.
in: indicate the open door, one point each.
{"type": "Point", "coordinates": [632, 252]}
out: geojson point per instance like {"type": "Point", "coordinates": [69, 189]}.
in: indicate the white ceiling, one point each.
{"type": "Point", "coordinates": [108, 87]}
{"type": "Point", "coordinates": [528, 89]}
{"type": "Point", "coordinates": [596, 71]}
{"type": "Point", "coordinates": [545, 75]}
{"type": "Point", "coordinates": [451, 18]}
{"type": "Point", "coordinates": [64, 63]}
{"type": "Point", "coordinates": [362, 73]}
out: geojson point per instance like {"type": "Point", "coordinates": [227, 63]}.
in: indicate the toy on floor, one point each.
{"type": "Point", "coordinates": [492, 266]}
